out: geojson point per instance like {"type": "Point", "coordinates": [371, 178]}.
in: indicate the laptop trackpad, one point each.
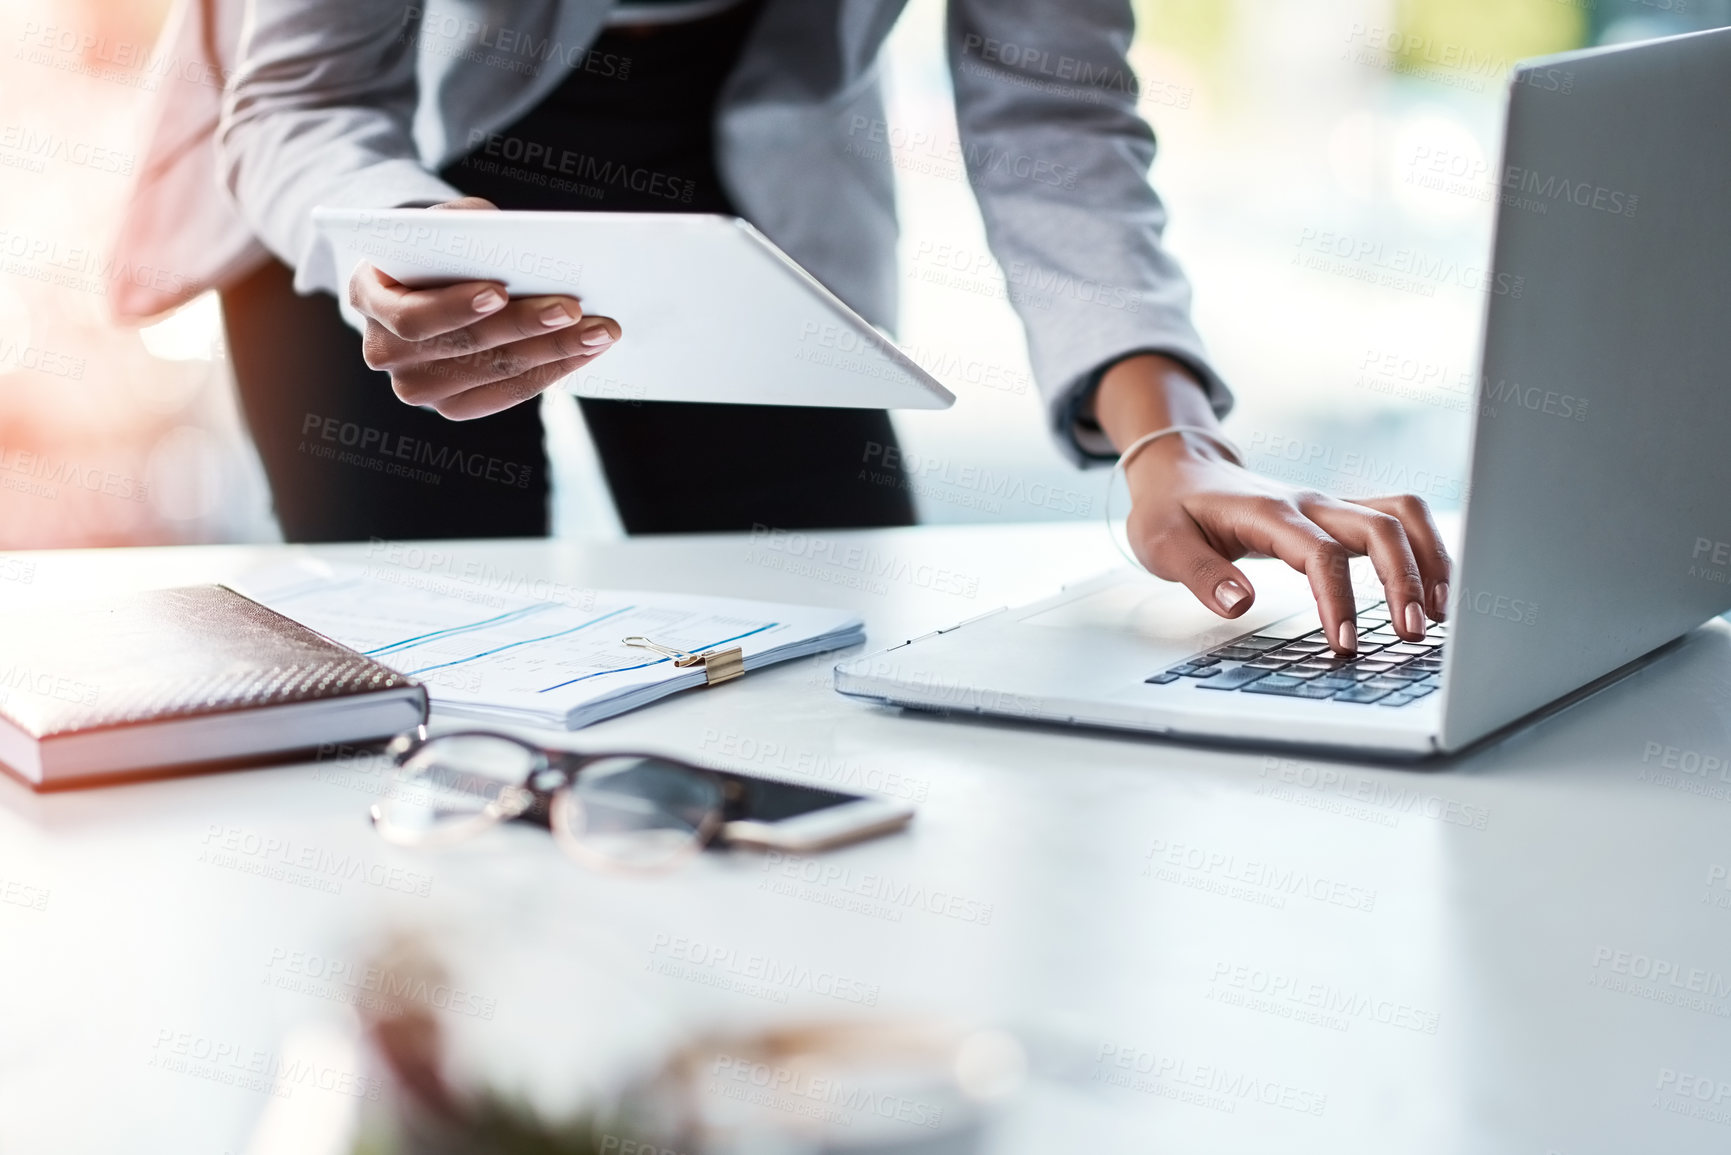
{"type": "Point", "coordinates": [1155, 611]}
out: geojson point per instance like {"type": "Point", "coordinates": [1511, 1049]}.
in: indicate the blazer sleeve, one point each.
{"type": "Point", "coordinates": [319, 112]}
{"type": "Point", "coordinates": [1058, 157]}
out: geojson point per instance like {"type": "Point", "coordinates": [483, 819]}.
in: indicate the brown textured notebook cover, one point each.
{"type": "Point", "coordinates": [164, 654]}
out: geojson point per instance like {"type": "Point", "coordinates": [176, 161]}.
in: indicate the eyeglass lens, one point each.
{"type": "Point", "coordinates": [640, 812]}
{"type": "Point", "coordinates": [634, 812]}
{"type": "Point", "coordinates": [448, 783]}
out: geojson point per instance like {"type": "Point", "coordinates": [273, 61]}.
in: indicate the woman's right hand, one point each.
{"type": "Point", "coordinates": [468, 350]}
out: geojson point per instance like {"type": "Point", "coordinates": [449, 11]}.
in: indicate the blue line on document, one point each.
{"type": "Point", "coordinates": [310, 586]}
{"type": "Point", "coordinates": [524, 642]}
{"type": "Point", "coordinates": [510, 615]}
{"type": "Point", "coordinates": [658, 661]}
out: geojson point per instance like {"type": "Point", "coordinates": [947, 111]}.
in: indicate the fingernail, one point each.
{"type": "Point", "coordinates": [1229, 593]}
{"type": "Point", "coordinates": [1415, 619]}
{"type": "Point", "coordinates": [1439, 600]}
{"type": "Point", "coordinates": [554, 316]}
{"type": "Point", "coordinates": [487, 300]}
{"type": "Point", "coordinates": [596, 334]}
{"type": "Point", "coordinates": [1348, 637]}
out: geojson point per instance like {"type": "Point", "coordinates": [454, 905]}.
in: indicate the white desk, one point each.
{"type": "Point", "coordinates": [1477, 963]}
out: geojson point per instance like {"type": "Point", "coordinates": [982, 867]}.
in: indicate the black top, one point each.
{"type": "Point", "coordinates": [631, 129]}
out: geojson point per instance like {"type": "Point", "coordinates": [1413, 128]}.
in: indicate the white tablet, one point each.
{"type": "Point", "coordinates": [710, 309]}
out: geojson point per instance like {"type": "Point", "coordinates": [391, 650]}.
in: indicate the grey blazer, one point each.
{"type": "Point", "coordinates": [358, 103]}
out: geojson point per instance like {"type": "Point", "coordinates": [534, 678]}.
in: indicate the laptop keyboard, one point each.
{"type": "Point", "coordinates": [1290, 658]}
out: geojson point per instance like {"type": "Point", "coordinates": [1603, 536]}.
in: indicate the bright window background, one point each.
{"type": "Point", "coordinates": [1291, 132]}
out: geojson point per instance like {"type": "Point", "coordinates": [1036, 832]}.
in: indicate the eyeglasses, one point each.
{"type": "Point", "coordinates": [642, 813]}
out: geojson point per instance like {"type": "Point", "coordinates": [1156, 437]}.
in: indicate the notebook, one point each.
{"type": "Point", "coordinates": [486, 648]}
{"type": "Point", "coordinates": [159, 679]}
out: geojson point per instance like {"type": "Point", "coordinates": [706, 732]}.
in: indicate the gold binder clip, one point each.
{"type": "Point", "coordinates": [718, 665]}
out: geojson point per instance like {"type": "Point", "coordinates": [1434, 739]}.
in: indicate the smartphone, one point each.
{"type": "Point", "coordinates": [776, 815]}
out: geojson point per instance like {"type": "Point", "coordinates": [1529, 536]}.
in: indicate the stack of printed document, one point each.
{"type": "Point", "coordinates": [515, 658]}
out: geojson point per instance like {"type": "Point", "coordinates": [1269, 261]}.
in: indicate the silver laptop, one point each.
{"type": "Point", "coordinates": [1597, 527]}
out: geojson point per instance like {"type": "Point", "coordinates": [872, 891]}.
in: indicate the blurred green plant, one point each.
{"type": "Point", "coordinates": [1500, 30]}
{"type": "Point", "coordinates": [495, 1126]}
{"type": "Point", "coordinates": [1200, 30]}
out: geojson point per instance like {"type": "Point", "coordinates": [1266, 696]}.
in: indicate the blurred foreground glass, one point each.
{"type": "Point", "coordinates": [878, 1085]}
{"type": "Point", "coordinates": [640, 813]}
{"type": "Point", "coordinates": [869, 1086]}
